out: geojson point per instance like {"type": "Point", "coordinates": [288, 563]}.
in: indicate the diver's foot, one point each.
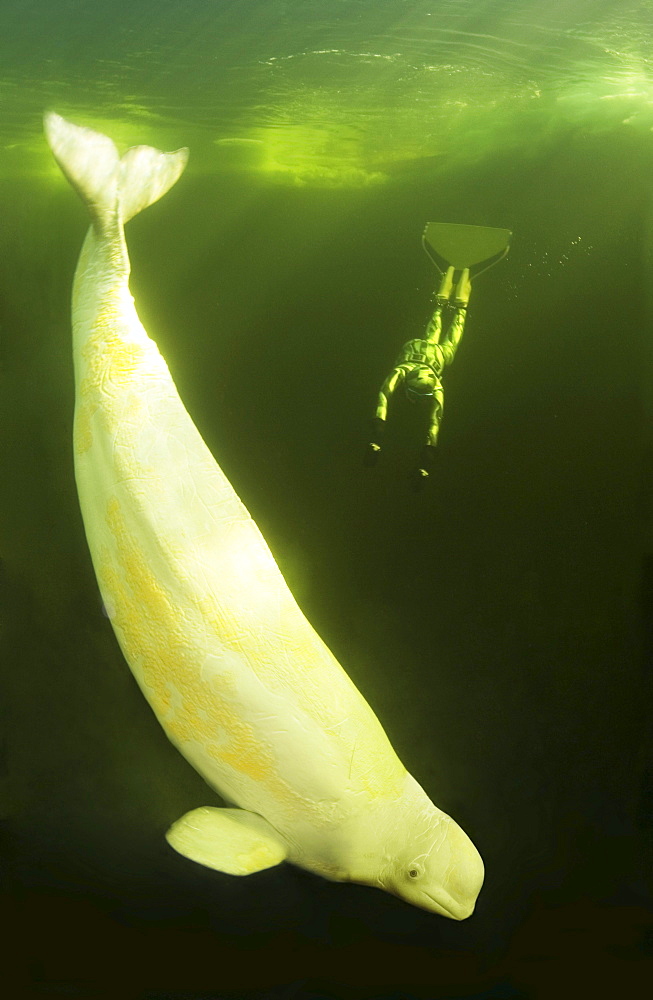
{"type": "Point", "coordinates": [372, 453]}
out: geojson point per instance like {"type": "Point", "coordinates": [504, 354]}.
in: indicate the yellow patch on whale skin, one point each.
{"type": "Point", "coordinates": [88, 407]}
{"type": "Point", "coordinates": [110, 362]}
{"type": "Point", "coordinates": [82, 433]}
{"type": "Point", "coordinates": [259, 857]}
{"type": "Point", "coordinates": [109, 354]}
{"type": "Point", "coordinates": [153, 632]}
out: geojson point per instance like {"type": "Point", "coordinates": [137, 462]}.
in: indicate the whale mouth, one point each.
{"type": "Point", "coordinates": [449, 907]}
{"type": "Point", "coordinates": [443, 903]}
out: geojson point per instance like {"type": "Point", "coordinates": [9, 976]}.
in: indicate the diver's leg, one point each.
{"type": "Point", "coordinates": [454, 334]}
{"type": "Point", "coordinates": [433, 331]}
{"type": "Point", "coordinates": [381, 415]}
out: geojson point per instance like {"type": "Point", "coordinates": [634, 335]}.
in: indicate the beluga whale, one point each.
{"type": "Point", "coordinates": [237, 677]}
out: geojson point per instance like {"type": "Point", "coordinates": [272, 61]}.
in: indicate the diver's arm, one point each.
{"type": "Point", "coordinates": [386, 391]}
{"type": "Point", "coordinates": [378, 424]}
{"type": "Point", "coordinates": [428, 453]}
{"type": "Point", "coordinates": [436, 418]}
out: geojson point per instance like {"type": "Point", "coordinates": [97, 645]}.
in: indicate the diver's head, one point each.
{"type": "Point", "coordinates": [420, 383]}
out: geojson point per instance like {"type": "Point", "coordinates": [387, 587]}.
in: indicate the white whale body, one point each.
{"type": "Point", "coordinates": [237, 677]}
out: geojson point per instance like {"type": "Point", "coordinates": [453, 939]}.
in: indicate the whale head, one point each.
{"type": "Point", "coordinates": [442, 872]}
{"type": "Point", "coordinates": [417, 852]}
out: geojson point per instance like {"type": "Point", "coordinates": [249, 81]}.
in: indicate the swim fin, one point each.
{"type": "Point", "coordinates": [476, 248]}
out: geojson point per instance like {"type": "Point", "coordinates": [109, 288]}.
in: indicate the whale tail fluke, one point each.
{"type": "Point", "coordinates": [104, 180]}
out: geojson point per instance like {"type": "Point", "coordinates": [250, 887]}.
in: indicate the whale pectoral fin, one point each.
{"type": "Point", "coordinates": [230, 840]}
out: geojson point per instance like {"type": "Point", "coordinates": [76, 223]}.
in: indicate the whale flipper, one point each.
{"type": "Point", "coordinates": [233, 841]}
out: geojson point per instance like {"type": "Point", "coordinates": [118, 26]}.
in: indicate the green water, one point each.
{"type": "Point", "coordinates": [498, 622]}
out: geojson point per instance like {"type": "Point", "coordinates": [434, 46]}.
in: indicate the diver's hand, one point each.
{"type": "Point", "coordinates": [373, 449]}
{"type": "Point", "coordinates": [421, 475]}
{"type": "Point", "coordinates": [418, 479]}
{"type": "Point", "coordinates": [372, 453]}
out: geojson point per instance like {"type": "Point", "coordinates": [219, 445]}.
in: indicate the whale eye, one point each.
{"type": "Point", "coordinates": [415, 870]}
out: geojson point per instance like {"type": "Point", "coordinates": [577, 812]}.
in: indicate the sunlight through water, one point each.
{"type": "Point", "coordinates": [345, 96]}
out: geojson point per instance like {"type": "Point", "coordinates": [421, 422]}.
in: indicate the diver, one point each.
{"type": "Point", "coordinates": [420, 366]}
{"type": "Point", "coordinates": [455, 250]}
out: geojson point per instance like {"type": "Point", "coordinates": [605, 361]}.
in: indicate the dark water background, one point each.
{"type": "Point", "coordinates": [500, 623]}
